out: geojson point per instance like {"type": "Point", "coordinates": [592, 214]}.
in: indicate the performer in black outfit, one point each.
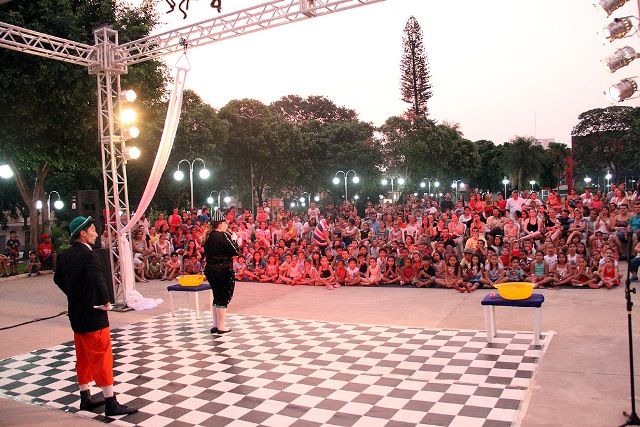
{"type": "Point", "coordinates": [219, 248]}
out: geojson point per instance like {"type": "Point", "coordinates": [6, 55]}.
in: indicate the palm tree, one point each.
{"type": "Point", "coordinates": [556, 163]}
{"type": "Point", "coordinates": [523, 160]}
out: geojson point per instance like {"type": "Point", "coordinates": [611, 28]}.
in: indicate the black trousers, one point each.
{"type": "Point", "coordinates": [222, 281]}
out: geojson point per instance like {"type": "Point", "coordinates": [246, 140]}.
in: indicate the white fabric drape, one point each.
{"type": "Point", "coordinates": [133, 298]}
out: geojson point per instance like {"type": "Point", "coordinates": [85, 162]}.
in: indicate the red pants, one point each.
{"type": "Point", "coordinates": [94, 359]}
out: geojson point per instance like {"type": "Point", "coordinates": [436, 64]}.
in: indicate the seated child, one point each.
{"type": "Point", "coordinates": [191, 265]}
{"type": "Point", "coordinates": [494, 271]}
{"type": "Point", "coordinates": [33, 265]}
{"type": "Point", "coordinates": [270, 271]}
{"type": "Point", "coordinates": [406, 272]}
{"type": "Point", "coordinates": [473, 273]}
{"type": "Point", "coordinates": [373, 275]}
{"type": "Point", "coordinates": [609, 274]}
{"type": "Point", "coordinates": [325, 275]}
{"type": "Point", "coordinates": [390, 274]}
{"type": "Point", "coordinates": [308, 276]}
{"type": "Point", "coordinates": [563, 271]}
{"type": "Point", "coordinates": [155, 267]}
{"type": "Point", "coordinates": [582, 275]}
{"type": "Point", "coordinates": [514, 273]}
{"type": "Point", "coordinates": [426, 275]}
{"type": "Point", "coordinates": [539, 271]}
{"type": "Point", "coordinates": [340, 274]}
{"type": "Point", "coordinates": [172, 267]}
{"type": "Point", "coordinates": [353, 273]}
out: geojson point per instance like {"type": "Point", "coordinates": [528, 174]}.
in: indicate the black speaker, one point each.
{"type": "Point", "coordinates": [103, 255]}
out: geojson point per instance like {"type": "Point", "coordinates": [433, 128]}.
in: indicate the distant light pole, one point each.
{"type": "Point", "coordinates": [315, 198]}
{"type": "Point", "coordinates": [58, 204]}
{"type": "Point", "coordinates": [204, 173]}
{"type": "Point", "coordinates": [505, 182]}
{"type": "Point", "coordinates": [457, 183]}
{"type": "Point", "coordinates": [355, 180]}
{"type": "Point", "coordinates": [386, 181]}
{"type": "Point", "coordinates": [426, 181]}
{"type": "Point", "coordinates": [532, 182]}
{"type": "Point", "coordinates": [587, 181]}
{"type": "Point", "coordinates": [608, 177]}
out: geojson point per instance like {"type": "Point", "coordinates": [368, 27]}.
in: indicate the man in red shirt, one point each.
{"type": "Point", "coordinates": [46, 252]}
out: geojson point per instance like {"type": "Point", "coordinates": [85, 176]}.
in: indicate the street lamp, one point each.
{"type": "Point", "coordinates": [58, 204]}
{"type": "Point", "coordinates": [587, 181]}
{"type": "Point", "coordinates": [532, 182]}
{"type": "Point", "coordinates": [315, 198]}
{"type": "Point", "coordinates": [204, 173]}
{"type": "Point", "coordinates": [226, 198]}
{"type": "Point", "coordinates": [608, 177]}
{"type": "Point", "coordinates": [355, 179]}
{"type": "Point", "coordinates": [457, 183]}
{"type": "Point", "coordinates": [505, 181]}
{"type": "Point", "coordinates": [386, 181]}
{"type": "Point", "coordinates": [250, 116]}
{"type": "Point", "coordinates": [426, 181]}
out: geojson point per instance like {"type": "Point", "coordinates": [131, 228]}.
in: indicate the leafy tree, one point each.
{"type": "Point", "coordinates": [264, 143]}
{"type": "Point", "coordinates": [491, 171]}
{"type": "Point", "coordinates": [523, 160]}
{"type": "Point", "coordinates": [415, 79]}
{"type": "Point", "coordinates": [298, 110]}
{"type": "Point", "coordinates": [555, 162]}
{"type": "Point", "coordinates": [600, 139]}
{"type": "Point", "coordinates": [53, 127]}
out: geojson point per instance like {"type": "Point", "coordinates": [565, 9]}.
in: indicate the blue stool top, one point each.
{"type": "Point", "coordinates": [535, 300]}
{"type": "Point", "coordinates": [177, 287]}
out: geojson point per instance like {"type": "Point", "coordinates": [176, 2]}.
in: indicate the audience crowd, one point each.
{"type": "Point", "coordinates": [573, 240]}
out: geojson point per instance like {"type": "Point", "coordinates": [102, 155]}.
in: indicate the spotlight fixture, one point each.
{"type": "Point", "coordinates": [618, 29]}
{"type": "Point", "coordinates": [622, 90]}
{"type": "Point", "coordinates": [131, 153]}
{"type": "Point", "coordinates": [129, 95]}
{"type": "Point", "coordinates": [128, 116]}
{"type": "Point", "coordinates": [620, 58]}
{"type": "Point", "coordinates": [609, 6]}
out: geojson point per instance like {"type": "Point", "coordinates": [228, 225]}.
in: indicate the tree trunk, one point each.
{"type": "Point", "coordinates": [30, 197]}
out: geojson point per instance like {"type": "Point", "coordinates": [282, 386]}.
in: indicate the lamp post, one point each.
{"type": "Point", "coordinates": [355, 180]}
{"type": "Point", "coordinates": [426, 181]}
{"type": "Point", "coordinates": [315, 198]}
{"type": "Point", "coordinates": [250, 116]}
{"type": "Point", "coordinates": [58, 204]}
{"type": "Point", "coordinates": [204, 173]}
{"type": "Point", "coordinates": [505, 181]}
{"type": "Point", "coordinates": [457, 183]}
{"type": "Point", "coordinates": [587, 181]}
{"type": "Point", "coordinates": [5, 172]}
{"type": "Point", "coordinates": [608, 177]}
{"type": "Point", "coordinates": [386, 181]}
{"type": "Point", "coordinates": [532, 182]}
{"type": "Point", "coordinates": [226, 199]}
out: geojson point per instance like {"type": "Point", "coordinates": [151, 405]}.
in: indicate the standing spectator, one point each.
{"type": "Point", "coordinates": [13, 252]}
{"type": "Point", "coordinates": [514, 204]}
{"type": "Point", "coordinates": [160, 222]}
{"type": "Point", "coordinates": [175, 221]}
{"type": "Point", "coordinates": [47, 253]}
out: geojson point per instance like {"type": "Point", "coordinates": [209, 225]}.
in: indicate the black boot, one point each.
{"type": "Point", "coordinates": [113, 408]}
{"type": "Point", "coordinates": [88, 402]}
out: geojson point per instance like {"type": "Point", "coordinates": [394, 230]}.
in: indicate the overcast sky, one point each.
{"type": "Point", "coordinates": [500, 68]}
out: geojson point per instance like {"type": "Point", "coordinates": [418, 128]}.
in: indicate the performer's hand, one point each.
{"type": "Point", "coordinates": [105, 307]}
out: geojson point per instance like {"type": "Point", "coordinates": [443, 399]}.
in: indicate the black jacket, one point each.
{"type": "Point", "coordinates": [219, 248]}
{"type": "Point", "coordinates": [79, 275]}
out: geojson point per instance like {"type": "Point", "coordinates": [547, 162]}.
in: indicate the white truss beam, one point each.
{"type": "Point", "coordinates": [28, 41]}
{"type": "Point", "coordinates": [250, 20]}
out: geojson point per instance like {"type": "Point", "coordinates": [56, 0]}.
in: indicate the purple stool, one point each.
{"type": "Point", "coordinates": [190, 289]}
{"type": "Point", "coordinates": [489, 302]}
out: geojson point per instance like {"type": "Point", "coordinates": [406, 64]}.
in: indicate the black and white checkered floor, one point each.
{"type": "Point", "coordinates": [280, 372]}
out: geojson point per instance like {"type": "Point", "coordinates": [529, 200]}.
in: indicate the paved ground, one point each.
{"type": "Point", "coordinates": [581, 381]}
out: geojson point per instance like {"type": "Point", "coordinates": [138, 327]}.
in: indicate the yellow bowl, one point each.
{"type": "Point", "coordinates": [191, 280]}
{"type": "Point", "coordinates": [515, 290]}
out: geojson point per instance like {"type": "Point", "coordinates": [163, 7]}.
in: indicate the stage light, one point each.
{"type": "Point", "coordinates": [204, 173]}
{"type": "Point", "coordinates": [5, 172]}
{"type": "Point", "coordinates": [128, 116]}
{"type": "Point", "coordinates": [178, 175]}
{"type": "Point", "coordinates": [609, 6]}
{"type": "Point", "coordinates": [620, 58]}
{"type": "Point", "coordinates": [58, 204]}
{"type": "Point", "coordinates": [132, 153]}
{"type": "Point", "coordinates": [130, 95]}
{"type": "Point", "coordinates": [622, 90]}
{"type": "Point", "coordinates": [617, 29]}
{"type": "Point", "coordinates": [131, 132]}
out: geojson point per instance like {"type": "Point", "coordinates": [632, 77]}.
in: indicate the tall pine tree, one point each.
{"type": "Point", "coordinates": [415, 79]}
